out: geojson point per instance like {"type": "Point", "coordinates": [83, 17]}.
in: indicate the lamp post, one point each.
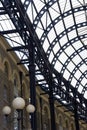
{"type": "Point", "coordinates": [19, 104]}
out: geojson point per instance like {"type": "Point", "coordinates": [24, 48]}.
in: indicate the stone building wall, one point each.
{"type": "Point", "coordinates": [10, 88]}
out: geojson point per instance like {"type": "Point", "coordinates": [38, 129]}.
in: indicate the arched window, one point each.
{"type": "Point", "coordinates": [23, 90]}
{"type": "Point", "coordinates": [15, 87]}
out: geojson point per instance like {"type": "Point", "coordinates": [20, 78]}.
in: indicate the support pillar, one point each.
{"type": "Point", "coordinates": [51, 102]}
{"type": "Point", "coordinates": [21, 95]}
{"type": "Point", "coordinates": [75, 111]}
{"type": "Point", "coordinates": [32, 83]}
{"type": "Point", "coordinates": [76, 116]}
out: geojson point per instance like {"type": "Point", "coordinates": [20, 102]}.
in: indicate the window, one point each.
{"type": "Point", "coordinates": [15, 88]}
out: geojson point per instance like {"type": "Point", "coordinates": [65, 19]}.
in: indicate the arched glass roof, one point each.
{"type": "Point", "coordinates": [61, 27]}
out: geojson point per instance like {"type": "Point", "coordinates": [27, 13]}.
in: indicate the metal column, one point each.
{"type": "Point", "coordinates": [32, 82]}
{"type": "Point", "coordinates": [76, 116]}
{"type": "Point", "coordinates": [51, 102]}
{"type": "Point", "coordinates": [75, 111]}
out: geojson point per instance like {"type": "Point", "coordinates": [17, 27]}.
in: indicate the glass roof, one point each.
{"type": "Point", "coordinates": [61, 27]}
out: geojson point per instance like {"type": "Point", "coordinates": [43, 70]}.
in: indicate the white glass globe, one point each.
{"type": "Point", "coordinates": [30, 108]}
{"type": "Point", "coordinates": [18, 103]}
{"type": "Point", "coordinates": [6, 110]}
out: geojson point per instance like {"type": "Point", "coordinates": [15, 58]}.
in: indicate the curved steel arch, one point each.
{"type": "Point", "coordinates": [72, 41]}
{"type": "Point", "coordinates": [65, 14]}
{"type": "Point", "coordinates": [62, 34]}
{"type": "Point", "coordinates": [70, 59]}
{"type": "Point", "coordinates": [50, 48]}
{"type": "Point", "coordinates": [76, 68]}
{"type": "Point", "coordinates": [79, 82]}
{"type": "Point", "coordinates": [59, 18]}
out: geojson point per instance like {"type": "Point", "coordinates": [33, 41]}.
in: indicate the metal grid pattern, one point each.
{"type": "Point", "coordinates": [61, 27]}
{"type": "Point", "coordinates": [58, 31]}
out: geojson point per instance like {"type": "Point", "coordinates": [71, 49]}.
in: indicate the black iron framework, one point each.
{"type": "Point", "coordinates": [59, 43]}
